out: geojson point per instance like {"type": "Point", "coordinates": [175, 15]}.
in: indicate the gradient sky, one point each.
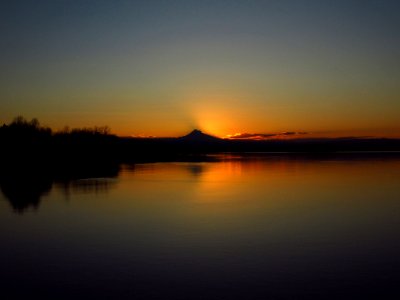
{"type": "Point", "coordinates": [165, 67]}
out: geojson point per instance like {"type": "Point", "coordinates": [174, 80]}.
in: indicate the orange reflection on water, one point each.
{"type": "Point", "coordinates": [217, 181]}
{"type": "Point", "coordinates": [241, 188]}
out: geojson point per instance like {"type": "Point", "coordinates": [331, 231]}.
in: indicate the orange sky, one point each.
{"type": "Point", "coordinates": [163, 68]}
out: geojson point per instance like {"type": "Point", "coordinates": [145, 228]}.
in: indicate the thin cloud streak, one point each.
{"type": "Point", "coordinates": [264, 136]}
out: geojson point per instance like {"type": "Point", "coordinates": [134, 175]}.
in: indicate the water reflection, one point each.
{"type": "Point", "coordinates": [258, 227]}
{"type": "Point", "coordinates": [218, 178]}
{"type": "Point", "coordinates": [195, 169]}
{"type": "Point", "coordinates": [24, 187]}
{"type": "Point", "coordinates": [24, 191]}
{"type": "Point", "coordinates": [86, 186]}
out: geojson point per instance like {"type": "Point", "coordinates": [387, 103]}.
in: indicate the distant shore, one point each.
{"type": "Point", "coordinates": [26, 143]}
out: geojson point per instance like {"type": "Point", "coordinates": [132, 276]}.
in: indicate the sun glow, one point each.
{"type": "Point", "coordinates": [215, 120]}
{"type": "Point", "coordinates": [211, 127]}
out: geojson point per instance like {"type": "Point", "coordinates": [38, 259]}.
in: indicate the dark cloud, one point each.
{"type": "Point", "coordinates": [264, 136]}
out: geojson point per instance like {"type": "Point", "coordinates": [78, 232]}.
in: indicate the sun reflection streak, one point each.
{"type": "Point", "coordinates": [216, 182]}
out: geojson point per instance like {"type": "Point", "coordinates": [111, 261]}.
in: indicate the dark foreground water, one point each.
{"type": "Point", "coordinates": [256, 227]}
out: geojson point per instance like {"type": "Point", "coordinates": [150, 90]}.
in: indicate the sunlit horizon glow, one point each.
{"type": "Point", "coordinates": [164, 68]}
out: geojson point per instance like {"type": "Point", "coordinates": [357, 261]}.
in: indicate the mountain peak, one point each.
{"type": "Point", "coordinates": [198, 135]}
{"type": "Point", "coordinates": [196, 132]}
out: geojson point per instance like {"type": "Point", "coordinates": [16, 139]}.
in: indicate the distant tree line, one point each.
{"type": "Point", "coordinates": [21, 127]}
{"type": "Point", "coordinates": [25, 141]}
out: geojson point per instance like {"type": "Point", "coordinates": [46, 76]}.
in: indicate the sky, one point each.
{"type": "Point", "coordinates": [163, 68]}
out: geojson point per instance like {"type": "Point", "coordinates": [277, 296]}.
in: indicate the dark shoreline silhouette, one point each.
{"type": "Point", "coordinates": [26, 141]}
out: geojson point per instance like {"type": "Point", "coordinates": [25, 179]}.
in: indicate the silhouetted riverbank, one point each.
{"type": "Point", "coordinates": [26, 143]}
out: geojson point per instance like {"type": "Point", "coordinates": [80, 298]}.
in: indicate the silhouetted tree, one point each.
{"type": "Point", "coordinates": [20, 127]}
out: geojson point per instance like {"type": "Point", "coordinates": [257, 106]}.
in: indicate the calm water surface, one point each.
{"type": "Point", "coordinates": [254, 227]}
